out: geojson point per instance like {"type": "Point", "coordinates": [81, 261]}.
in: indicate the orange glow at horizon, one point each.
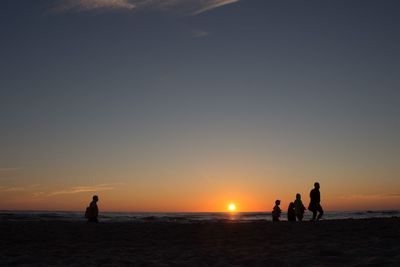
{"type": "Point", "coordinates": [209, 196]}
{"type": "Point", "coordinates": [113, 202]}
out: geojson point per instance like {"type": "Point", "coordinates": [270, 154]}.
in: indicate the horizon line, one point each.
{"type": "Point", "coordinates": [108, 211]}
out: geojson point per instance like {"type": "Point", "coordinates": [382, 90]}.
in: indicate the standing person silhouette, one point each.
{"type": "Point", "coordinates": [315, 203]}
{"type": "Point", "coordinates": [92, 212]}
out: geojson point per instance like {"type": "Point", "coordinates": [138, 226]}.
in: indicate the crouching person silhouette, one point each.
{"type": "Point", "coordinates": [299, 208]}
{"type": "Point", "coordinates": [276, 211]}
{"type": "Point", "coordinates": [92, 212]}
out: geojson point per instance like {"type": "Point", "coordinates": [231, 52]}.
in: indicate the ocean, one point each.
{"type": "Point", "coordinates": [183, 217]}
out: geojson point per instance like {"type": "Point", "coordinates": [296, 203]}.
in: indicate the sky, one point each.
{"type": "Point", "coordinates": [188, 105]}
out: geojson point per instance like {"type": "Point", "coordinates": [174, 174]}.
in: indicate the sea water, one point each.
{"type": "Point", "coordinates": [183, 217]}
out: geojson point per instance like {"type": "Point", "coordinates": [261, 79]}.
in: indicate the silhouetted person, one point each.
{"type": "Point", "coordinates": [291, 215]}
{"type": "Point", "coordinates": [92, 212]}
{"type": "Point", "coordinates": [299, 208]}
{"type": "Point", "coordinates": [276, 211]}
{"type": "Point", "coordinates": [315, 202]}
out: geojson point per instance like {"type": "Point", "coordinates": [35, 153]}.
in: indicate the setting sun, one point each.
{"type": "Point", "coordinates": [232, 207]}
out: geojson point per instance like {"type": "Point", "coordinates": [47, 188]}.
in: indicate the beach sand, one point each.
{"type": "Point", "coordinates": [367, 242]}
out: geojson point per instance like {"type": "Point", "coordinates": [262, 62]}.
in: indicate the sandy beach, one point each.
{"type": "Point", "coordinates": [367, 242]}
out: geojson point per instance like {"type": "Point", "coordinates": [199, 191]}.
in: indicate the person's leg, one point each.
{"type": "Point", "coordinates": [314, 215]}
{"type": "Point", "coordinates": [299, 217]}
{"type": "Point", "coordinates": [321, 212]}
{"type": "Point", "coordinates": [93, 219]}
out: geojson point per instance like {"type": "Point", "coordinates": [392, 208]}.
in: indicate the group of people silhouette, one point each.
{"type": "Point", "coordinates": [296, 209]}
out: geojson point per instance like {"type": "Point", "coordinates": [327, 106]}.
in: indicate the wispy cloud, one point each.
{"type": "Point", "coordinates": [191, 7]}
{"type": "Point", "coordinates": [372, 196]}
{"type": "Point", "coordinates": [26, 188]}
{"type": "Point", "coordinates": [11, 169]}
{"type": "Point", "coordinates": [86, 5]}
{"type": "Point", "coordinates": [39, 191]}
{"type": "Point", "coordinates": [209, 5]}
{"type": "Point", "coordinates": [199, 33]}
{"type": "Point", "coordinates": [82, 189]}
{"type": "Point", "coordinates": [38, 194]}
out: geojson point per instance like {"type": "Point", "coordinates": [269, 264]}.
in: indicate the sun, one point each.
{"type": "Point", "coordinates": [232, 207]}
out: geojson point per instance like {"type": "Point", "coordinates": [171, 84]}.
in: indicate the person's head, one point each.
{"type": "Point", "coordinates": [316, 185]}
{"type": "Point", "coordinates": [298, 196]}
{"type": "Point", "coordinates": [277, 202]}
{"type": "Point", "coordinates": [291, 205]}
{"type": "Point", "coordinates": [95, 198]}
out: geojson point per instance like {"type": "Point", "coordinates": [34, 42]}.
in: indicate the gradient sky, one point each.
{"type": "Point", "coordinates": [187, 105]}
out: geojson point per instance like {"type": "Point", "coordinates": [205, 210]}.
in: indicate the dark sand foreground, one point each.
{"type": "Point", "coordinates": [370, 242]}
